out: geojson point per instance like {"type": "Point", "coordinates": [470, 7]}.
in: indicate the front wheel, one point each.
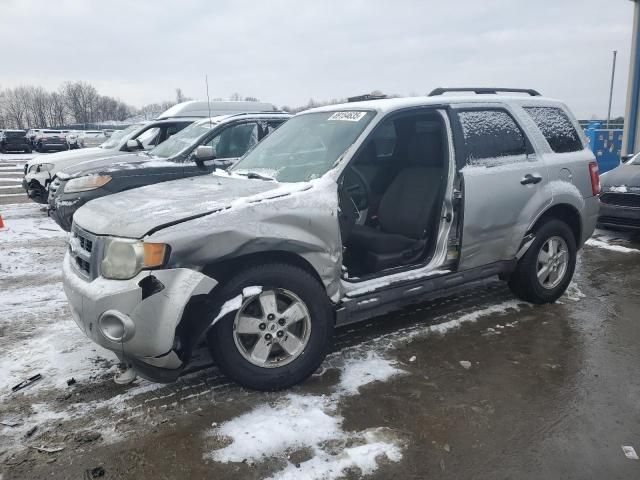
{"type": "Point", "coordinates": [545, 271]}
{"type": "Point", "coordinates": [279, 328]}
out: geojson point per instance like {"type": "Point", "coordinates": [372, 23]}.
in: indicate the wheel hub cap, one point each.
{"type": "Point", "coordinates": [272, 329]}
{"type": "Point", "coordinates": [553, 261]}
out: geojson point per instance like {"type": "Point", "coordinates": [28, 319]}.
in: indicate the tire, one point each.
{"type": "Point", "coordinates": [226, 347]}
{"type": "Point", "coordinates": [524, 282]}
{"type": "Point", "coordinates": [27, 150]}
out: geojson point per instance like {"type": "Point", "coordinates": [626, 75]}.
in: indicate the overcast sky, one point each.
{"type": "Point", "coordinates": [288, 51]}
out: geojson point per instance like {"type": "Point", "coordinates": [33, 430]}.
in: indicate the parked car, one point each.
{"type": "Point", "coordinates": [32, 134]}
{"type": "Point", "coordinates": [197, 150]}
{"type": "Point", "coordinates": [86, 139]}
{"type": "Point", "coordinates": [48, 140]}
{"type": "Point", "coordinates": [620, 197]}
{"type": "Point", "coordinates": [14, 141]}
{"type": "Point", "coordinates": [40, 172]}
{"type": "Point", "coordinates": [343, 213]}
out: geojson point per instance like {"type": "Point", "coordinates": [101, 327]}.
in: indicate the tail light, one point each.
{"type": "Point", "coordinates": [595, 178]}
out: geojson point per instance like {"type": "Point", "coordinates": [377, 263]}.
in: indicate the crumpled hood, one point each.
{"type": "Point", "coordinates": [104, 164]}
{"type": "Point", "coordinates": [136, 212]}
{"type": "Point", "coordinates": [627, 175]}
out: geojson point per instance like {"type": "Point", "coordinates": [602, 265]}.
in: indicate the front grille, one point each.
{"type": "Point", "coordinates": [82, 248]}
{"type": "Point", "coordinates": [623, 222]}
{"type": "Point", "coordinates": [621, 199]}
{"type": "Point", "coordinates": [86, 244]}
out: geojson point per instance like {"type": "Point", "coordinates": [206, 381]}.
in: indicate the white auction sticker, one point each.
{"type": "Point", "coordinates": [348, 116]}
{"type": "Point", "coordinates": [630, 452]}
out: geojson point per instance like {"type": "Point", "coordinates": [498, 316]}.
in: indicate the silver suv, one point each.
{"type": "Point", "coordinates": [343, 213]}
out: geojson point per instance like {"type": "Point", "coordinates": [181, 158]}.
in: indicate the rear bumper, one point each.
{"type": "Point", "coordinates": [614, 216]}
{"type": "Point", "coordinates": [137, 326]}
{"type": "Point", "coordinates": [589, 218]}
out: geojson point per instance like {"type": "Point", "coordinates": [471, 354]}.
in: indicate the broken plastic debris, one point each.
{"type": "Point", "coordinates": [629, 452]}
{"type": "Point", "coordinates": [49, 449]}
{"type": "Point", "coordinates": [125, 377]}
{"type": "Point", "coordinates": [465, 364]}
{"type": "Point", "coordinates": [26, 383]}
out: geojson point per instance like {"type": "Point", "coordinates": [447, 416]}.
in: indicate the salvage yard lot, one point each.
{"type": "Point", "coordinates": [477, 384]}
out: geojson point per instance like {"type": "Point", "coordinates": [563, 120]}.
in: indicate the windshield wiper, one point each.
{"type": "Point", "coordinates": [256, 176]}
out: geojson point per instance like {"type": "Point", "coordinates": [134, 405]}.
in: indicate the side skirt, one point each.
{"type": "Point", "coordinates": [369, 305]}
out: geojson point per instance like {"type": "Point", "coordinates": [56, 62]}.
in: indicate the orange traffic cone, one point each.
{"type": "Point", "coordinates": [2, 226]}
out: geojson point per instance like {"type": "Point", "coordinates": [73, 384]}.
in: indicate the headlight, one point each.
{"type": "Point", "coordinates": [124, 259]}
{"type": "Point", "coordinates": [82, 184]}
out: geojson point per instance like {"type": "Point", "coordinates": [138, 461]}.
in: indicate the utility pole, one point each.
{"type": "Point", "coordinates": [613, 74]}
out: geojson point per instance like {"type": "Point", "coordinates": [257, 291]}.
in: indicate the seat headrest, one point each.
{"type": "Point", "coordinates": [425, 149]}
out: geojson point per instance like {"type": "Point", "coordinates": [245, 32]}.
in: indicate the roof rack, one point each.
{"type": "Point", "coordinates": [484, 90]}
{"type": "Point", "coordinates": [366, 96]}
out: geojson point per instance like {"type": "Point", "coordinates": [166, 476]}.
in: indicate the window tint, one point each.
{"type": "Point", "coordinates": [556, 128]}
{"type": "Point", "coordinates": [490, 135]}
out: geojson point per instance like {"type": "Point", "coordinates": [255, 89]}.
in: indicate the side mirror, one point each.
{"type": "Point", "coordinates": [204, 152]}
{"type": "Point", "coordinates": [626, 158]}
{"type": "Point", "coordinates": [133, 145]}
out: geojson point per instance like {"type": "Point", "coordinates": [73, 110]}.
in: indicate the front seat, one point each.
{"type": "Point", "coordinates": [407, 208]}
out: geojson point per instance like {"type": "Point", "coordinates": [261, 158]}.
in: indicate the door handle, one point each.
{"type": "Point", "coordinates": [531, 179]}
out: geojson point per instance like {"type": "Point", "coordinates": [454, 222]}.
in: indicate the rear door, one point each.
{"type": "Point", "coordinates": [503, 182]}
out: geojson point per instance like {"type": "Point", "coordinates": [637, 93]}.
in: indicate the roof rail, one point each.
{"type": "Point", "coordinates": [484, 90]}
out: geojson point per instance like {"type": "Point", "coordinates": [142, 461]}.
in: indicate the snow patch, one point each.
{"type": "Point", "coordinates": [593, 242]}
{"type": "Point", "coordinates": [311, 421]}
{"type": "Point", "coordinates": [251, 291]}
{"type": "Point", "coordinates": [357, 373]}
{"type": "Point", "coordinates": [574, 293]}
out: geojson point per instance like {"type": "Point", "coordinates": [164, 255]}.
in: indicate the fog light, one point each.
{"type": "Point", "coordinates": [116, 326]}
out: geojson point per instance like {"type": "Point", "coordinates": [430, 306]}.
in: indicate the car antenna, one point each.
{"type": "Point", "coordinates": [206, 81]}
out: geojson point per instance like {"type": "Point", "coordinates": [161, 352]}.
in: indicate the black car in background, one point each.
{"type": "Point", "coordinates": [198, 149]}
{"type": "Point", "coordinates": [620, 196]}
{"type": "Point", "coordinates": [14, 141]}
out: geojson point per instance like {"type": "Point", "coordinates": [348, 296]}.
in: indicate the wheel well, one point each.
{"type": "Point", "coordinates": [567, 214]}
{"type": "Point", "coordinates": [224, 269]}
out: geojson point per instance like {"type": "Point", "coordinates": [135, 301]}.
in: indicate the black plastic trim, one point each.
{"type": "Point", "coordinates": [484, 90]}
{"type": "Point", "coordinates": [364, 307]}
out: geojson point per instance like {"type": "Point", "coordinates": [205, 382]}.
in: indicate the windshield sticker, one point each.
{"type": "Point", "coordinates": [348, 116]}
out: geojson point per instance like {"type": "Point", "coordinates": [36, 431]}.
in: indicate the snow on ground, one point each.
{"type": "Point", "coordinates": [312, 421]}
{"type": "Point", "coordinates": [594, 242]}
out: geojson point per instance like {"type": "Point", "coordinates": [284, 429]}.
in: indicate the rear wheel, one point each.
{"type": "Point", "coordinates": [278, 334]}
{"type": "Point", "coordinates": [545, 271]}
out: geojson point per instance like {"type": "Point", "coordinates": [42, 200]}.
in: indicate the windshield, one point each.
{"type": "Point", "coordinates": [114, 139]}
{"type": "Point", "coordinates": [182, 140]}
{"type": "Point", "coordinates": [305, 147]}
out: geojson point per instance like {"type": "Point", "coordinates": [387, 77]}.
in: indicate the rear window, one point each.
{"type": "Point", "coordinates": [489, 136]}
{"type": "Point", "coordinates": [14, 134]}
{"type": "Point", "coordinates": [556, 128]}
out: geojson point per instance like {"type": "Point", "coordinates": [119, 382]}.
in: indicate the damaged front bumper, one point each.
{"type": "Point", "coordinates": [137, 318]}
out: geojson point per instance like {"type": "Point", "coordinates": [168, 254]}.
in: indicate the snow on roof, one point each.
{"type": "Point", "coordinates": [390, 104]}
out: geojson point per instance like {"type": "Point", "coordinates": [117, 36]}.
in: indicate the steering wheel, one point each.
{"type": "Point", "coordinates": [357, 187]}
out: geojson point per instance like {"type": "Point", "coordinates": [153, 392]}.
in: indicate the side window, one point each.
{"type": "Point", "coordinates": [385, 140]}
{"type": "Point", "coordinates": [235, 141]}
{"type": "Point", "coordinates": [149, 137]}
{"type": "Point", "coordinates": [489, 136]}
{"type": "Point", "coordinates": [556, 128]}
